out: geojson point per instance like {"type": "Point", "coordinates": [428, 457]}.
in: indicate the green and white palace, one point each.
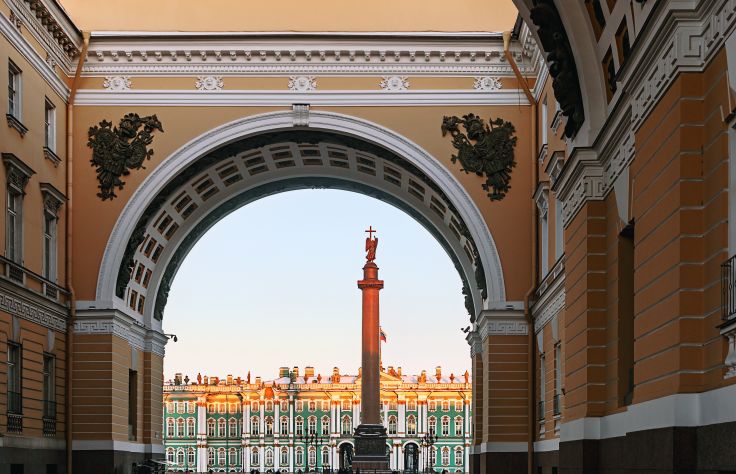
{"type": "Point", "coordinates": [305, 422]}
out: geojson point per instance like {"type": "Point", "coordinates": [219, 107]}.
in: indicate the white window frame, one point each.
{"type": "Point", "coordinates": [49, 128]}
{"type": "Point", "coordinates": [15, 91]}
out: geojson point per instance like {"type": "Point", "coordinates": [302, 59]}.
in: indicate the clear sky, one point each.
{"type": "Point", "coordinates": [274, 284]}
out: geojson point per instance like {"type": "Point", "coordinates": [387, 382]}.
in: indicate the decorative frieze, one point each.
{"type": "Point", "coordinates": [52, 199]}
{"type": "Point", "coordinates": [117, 83]}
{"type": "Point", "coordinates": [33, 312]}
{"type": "Point", "coordinates": [302, 83]}
{"type": "Point", "coordinates": [123, 326]}
{"type": "Point", "coordinates": [209, 83]}
{"type": "Point", "coordinates": [487, 83]}
{"type": "Point", "coordinates": [394, 83]}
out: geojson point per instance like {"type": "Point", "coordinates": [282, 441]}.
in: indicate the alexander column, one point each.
{"type": "Point", "coordinates": [370, 435]}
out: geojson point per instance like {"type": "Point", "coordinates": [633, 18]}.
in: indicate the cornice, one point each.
{"type": "Point", "coordinates": [24, 306]}
{"type": "Point", "coordinates": [229, 98]}
{"type": "Point", "coordinates": [581, 180]}
{"type": "Point", "coordinates": [121, 325]}
{"type": "Point", "coordinates": [501, 323]}
{"type": "Point", "coordinates": [550, 302]}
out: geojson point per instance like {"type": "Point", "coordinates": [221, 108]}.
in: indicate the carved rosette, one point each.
{"type": "Point", "coordinates": [302, 83]}
{"type": "Point", "coordinates": [487, 83]}
{"type": "Point", "coordinates": [394, 83]}
{"type": "Point", "coordinates": [117, 83]}
{"type": "Point", "coordinates": [209, 83]}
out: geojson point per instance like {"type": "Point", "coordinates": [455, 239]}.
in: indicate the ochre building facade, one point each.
{"type": "Point", "coordinates": [599, 285]}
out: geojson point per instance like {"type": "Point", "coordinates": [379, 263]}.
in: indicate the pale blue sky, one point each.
{"type": "Point", "coordinates": [274, 284]}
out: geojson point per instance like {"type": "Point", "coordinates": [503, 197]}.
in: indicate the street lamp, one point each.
{"type": "Point", "coordinates": [313, 439]}
{"type": "Point", "coordinates": [427, 441]}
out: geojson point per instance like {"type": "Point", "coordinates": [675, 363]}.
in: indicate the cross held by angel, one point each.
{"type": "Point", "coordinates": [371, 243]}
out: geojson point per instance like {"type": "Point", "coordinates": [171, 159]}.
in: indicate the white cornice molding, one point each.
{"type": "Point", "coordinates": [30, 54]}
{"type": "Point", "coordinates": [230, 98]}
{"type": "Point", "coordinates": [121, 325]}
{"type": "Point", "coordinates": [581, 181]}
{"type": "Point", "coordinates": [550, 303]}
{"type": "Point", "coordinates": [501, 323]}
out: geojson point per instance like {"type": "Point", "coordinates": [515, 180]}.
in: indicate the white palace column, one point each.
{"type": "Point", "coordinates": [401, 428]}
{"type": "Point", "coordinates": [291, 416]}
{"type": "Point", "coordinates": [356, 413]}
{"type": "Point", "coordinates": [262, 420]}
{"type": "Point", "coordinates": [262, 457]}
{"type": "Point", "coordinates": [385, 414]}
{"type": "Point", "coordinates": [400, 458]}
{"type": "Point", "coordinates": [276, 421]}
{"type": "Point", "coordinates": [291, 456]}
{"type": "Point", "coordinates": [202, 434]}
{"type": "Point", "coordinates": [246, 418]}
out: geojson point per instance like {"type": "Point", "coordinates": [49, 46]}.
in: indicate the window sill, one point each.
{"type": "Point", "coordinates": [13, 122]}
{"type": "Point", "coordinates": [49, 154]}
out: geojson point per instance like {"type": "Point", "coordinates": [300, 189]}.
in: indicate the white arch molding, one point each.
{"type": "Point", "coordinates": [254, 125]}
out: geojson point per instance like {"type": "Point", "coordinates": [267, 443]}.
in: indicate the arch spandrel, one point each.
{"type": "Point", "coordinates": [359, 129]}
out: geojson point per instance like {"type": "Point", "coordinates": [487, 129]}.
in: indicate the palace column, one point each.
{"type": "Point", "coordinates": [276, 420]}
{"type": "Point", "coordinates": [401, 429]}
{"type": "Point", "coordinates": [202, 434]}
{"type": "Point", "coordinates": [246, 417]}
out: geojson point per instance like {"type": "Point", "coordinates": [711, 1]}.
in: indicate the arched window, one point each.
{"type": "Point", "coordinates": [284, 457]}
{"type": "Point", "coordinates": [221, 459]}
{"type": "Point", "coordinates": [392, 425]}
{"type": "Point", "coordinates": [221, 427]}
{"type": "Point", "coordinates": [411, 425]}
{"type": "Point", "coordinates": [269, 426]}
{"type": "Point", "coordinates": [299, 426]}
{"type": "Point", "coordinates": [170, 428]}
{"type": "Point", "coordinates": [411, 405]}
{"type": "Point", "coordinates": [254, 426]}
{"type": "Point", "coordinates": [269, 405]}
{"type": "Point", "coordinates": [180, 427]}
{"type": "Point", "coordinates": [284, 425]}
{"type": "Point", "coordinates": [211, 427]}
{"type": "Point", "coordinates": [432, 425]}
{"type": "Point", "coordinates": [325, 456]}
{"type": "Point", "coordinates": [233, 457]}
{"type": "Point", "coordinates": [312, 425]}
{"type": "Point", "coordinates": [459, 456]}
{"type": "Point", "coordinates": [170, 455]}
{"type": "Point", "coordinates": [299, 456]}
{"type": "Point", "coordinates": [325, 425]}
{"type": "Point", "coordinates": [191, 459]}
{"type": "Point", "coordinates": [233, 425]}
{"type": "Point", "coordinates": [269, 457]}
{"type": "Point", "coordinates": [191, 430]}
{"type": "Point", "coordinates": [254, 461]}
{"type": "Point", "coordinates": [180, 457]}
{"type": "Point", "coordinates": [312, 456]}
{"type": "Point", "coordinates": [445, 426]}
{"type": "Point", "coordinates": [433, 454]}
{"type": "Point", "coordinates": [458, 426]}
{"type": "Point", "coordinates": [211, 457]}
{"type": "Point", "coordinates": [346, 425]}
{"type": "Point", "coordinates": [445, 456]}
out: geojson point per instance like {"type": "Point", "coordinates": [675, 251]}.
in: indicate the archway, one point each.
{"type": "Point", "coordinates": [411, 458]}
{"type": "Point", "coordinates": [346, 456]}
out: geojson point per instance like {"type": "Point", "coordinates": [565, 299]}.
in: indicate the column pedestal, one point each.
{"type": "Point", "coordinates": [370, 448]}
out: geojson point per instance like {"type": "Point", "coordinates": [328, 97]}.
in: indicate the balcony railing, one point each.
{"type": "Point", "coordinates": [540, 412]}
{"type": "Point", "coordinates": [728, 288]}
{"type": "Point", "coordinates": [556, 404]}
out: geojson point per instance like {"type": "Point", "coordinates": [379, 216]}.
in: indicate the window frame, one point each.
{"type": "Point", "coordinates": [15, 91]}
{"type": "Point", "coordinates": [49, 128]}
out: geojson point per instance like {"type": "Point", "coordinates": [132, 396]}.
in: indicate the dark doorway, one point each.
{"type": "Point", "coordinates": [411, 458]}
{"type": "Point", "coordinates": [346, 457]}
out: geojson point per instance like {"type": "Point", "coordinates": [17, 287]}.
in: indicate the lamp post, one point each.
{"type": "Point", "coordinates": [428, 440]}
{"type": "Point", "coordinates": [312, 439]}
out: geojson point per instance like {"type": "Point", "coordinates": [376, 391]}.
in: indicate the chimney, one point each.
{"type": "Point", "coordinates": [335, 371]}
{"type": "Point", "coordinates": [399, 371]}
{"type": "Point", "coordinates": [283, 372]}
{"type": "Point", "coordinates": [438, 372]}
{"type": "Point", "coordinates": [229, 379]}
{"type": "Point", "coordinates": [308, 371]}
{"type": "Point", "coordinates": [296, 371]}
{"type": "Point", "coordinates": [258, 380]}
{"type": "Point", "coordinates": [177, 378]}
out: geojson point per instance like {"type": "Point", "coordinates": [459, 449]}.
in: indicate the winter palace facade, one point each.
{"type": "Point", "coordinates": [227, 425]}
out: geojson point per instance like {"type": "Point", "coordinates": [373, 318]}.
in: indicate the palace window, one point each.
{"type": "Point", "coordinates": [210, 408]}
{"type": "Point", "coordinates": [49, 385]}
{"type": "Point", "coordinates": [284, 426]}
{"type": "Point", "coordinates": [14, 90]}
{"type": "Point", "coordinates": [411, 425]}
{"type": "Point", "coordinates": [459, 456]}
{"type": "Point", "coordinates": [325, 405]}
{"type": "Point", "coordinates": [221, 459]}
{"type": "Point", "coordinates": [299, 457]}
{"type": "Point", "coordinates": [221, 427]}
{"type": "Point", "coordinates": [14, 225]}
{"type": "Point", "coordinates": [269, 457]}
{"type": "Point", "coordinates": [269, 406]}
{"type": "Point", "coordinates": [211, 457]}
{"type": "Point", "coordinates": [170, 428]}
{"type": "Point", "coordinates": [346, 405]}
{"type": "Point", "coordinates": [190, 428]}
{"type": "Point", "coordinates": [284, 457]}
{"type": "Point", "coordinates": [325, 456]}
{"type": "Point", "coordinates": [445, 456]}
{"type": "Point", "coordinates": [211, 428]}
{"type": "Point", "coordinates": [170, 455]}
{"type": "Point", "coordinates": [284, 405]}
{"type": "Point", "coordinates": [411, 405]}
{"type": "Point", "coordinates": [445, 426]}
{"type": "Point", "coordinates": [223, 408]}
{"type": "Point", "coordinates": [347, 426]}
{"type": "Point", "coordinates": [312, 456]}
{"type": "Point", "coordinates": [233, 457]}
{"type": "Point", "coordinates": [393, 405]}
{"type": "Point", "coordinates": [433, 454]}
{"type": "Point", "coordinates": [392, 425]}
{"type": "Point", "coordinates": [180, 407]}
{"type": "Point", "coordinates": [50, 219]}
{"type": "Point", "coordinates": [254, 427]}
{"type": "Point", "coordinates": [458, 426]}
{"type": "Point", "coordinates": [234, 408]}
{"type": "Point", "coordinates": [325, 425]}
{"type": "Point", "coordinates": [254, 406]}
{"type": "Point", "coordinates": [299, 405]}
{"type": "Point", "coordinates": [312, 425]}
{"type": "Point", "coordinates": [269, 426]}
{"type": "Point", "coordinates": [190, 407]}
{"type": "Point", "coordinates": [170, 407]}
{"type": "Point", "coordinates": [190, 457]}
{"type": "Point", "coordinates": [432, 425]}
{"type": "Point", "coordinates": [15, 400]}
{"type": "Point", "coordinates": [299, 426]}
{"type": "Point", "coordinates": [432, 405]}
{"type": "Point", "coordinates": [180, 427]}
{"type": "Point", "coordinates": [459, 405]}
{"type": "Point", "coordinates": [312, 406]}
{"type": "Point", "coordinates": [254, 458]}
{"type": "Point", "coordinates": [180, 457]}
{"type": "Point", "coordinates": [446, 405]}
{"type": "Point", "coordinates": [233, 426]}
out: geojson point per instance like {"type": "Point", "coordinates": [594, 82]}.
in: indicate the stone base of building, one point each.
{"type": "Point", "coordinates": [34, 460]}
{"type": "Point", "coordinates": [501, 463]}
{"type": "Point", "coordinates": [112, 461]}
{"type": "Point", "coordinates": [370, 448]}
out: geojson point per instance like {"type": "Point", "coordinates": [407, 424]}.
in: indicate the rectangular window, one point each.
{"type": "Point", "coordinates": [49, 246]}
{"type": "Point", "coordinates": [132, 404]}
{"type": "Point", "coordinates": [626, 315]}
{"type": "Point", "coordinates": [15, 401]}
{"type": "Point", "coordinates": [544, 245]}
{"type": "Point", "coordinates": [13, 226]}
{"type": "Point", "coordinates": [559, 231]}
{"type": "Point", "coordinates": [14, 90]}
{"type": "Point", "coordinates": [49, 385]}
{"type": "Point", "coordinates": [49, 126]}
{"type": "Point", "coordinates": [544, 125]}
{"type": "Point", "coordinates": [542, 388]}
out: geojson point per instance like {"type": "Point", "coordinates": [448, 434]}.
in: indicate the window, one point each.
{"type": "Point", "coordinates": [170, 407]}
{"type": "Point", "coordinates": [15, 405]}
{"type": "Point", "coordinates": [190, 428]}
{"type": "Point", "coordinates": [49, 125]}
{"type": "Point", "coordinates": [346, 405]}
{"type": "Point", "coordinates": [234, 408]}
{"type": "Point", "coordinates": [222, 408]}
{"type": "Point", "coordinates": [312, 456]}
{"type": "Point", "coordinates": [221, 427]}
{"type": "Point", "coordinates": [445, 405]}
{"type": "Point", "coordinates": [211, 428]}
{"type": "Point", "coordinates": [312, 406]}
{"type": "Point", "coordinates": [284, 457]}
{"type": "Point", "coordinates": [459, 456]}
{"type": "Point", "coordinates": [299, 426]}
{"type": "Point", "coordinates": [459, 426]}
{"type": "Point", "coordinates": [325, 405]}
{"type": "Point", "coordinates": [459, 405]}
{"type": "Point", "coordinates": [233, 456]}
{"type": "Point", "coordinates": [542, 383]}
{"type": "Point", "coordinates": [269, 406]}
{"type": "Point", "coordinates": [13, 225]}
{"type": "Point", "coordinates": [211, 457]}
{"type": "Point", "coordinates": [299, 405]}
{"type": "Point", "coordinates": [170, 455]}
{"type": "Point", "coordinates": [180, 457]}
{"type": "Point", "coordinates": [432, 405]}
{"type": "Point", "coordinates": [284, 406]}
{"type": "Point", "coordinates": [559, 231]}
{"type": "Point", "coordinates": [14, 90]}
{"type": "Point", "coordinates": [170, 428]}
{"type": "Point", "coordinates": [254, 406]}
{"type": "Point", "coordinates": [49, 383]}
{"type": "Point", "coordinates": [325, 425]}
{"type": "Point", "coordinates": [190, 457]}
{"type": "Point", "coordinates": [132, 404]}
{"type": "Point", "coordinates": [254, 461]}
{"type": "Point", "coordinates": [221, 457]}
{"type": "Point", "coordinates": [411, 425]}
{"type": "Point", "coordinates": [347, 426]}
{"type": "Point", "coordinates": [392, 425]}
{"type": "Point", "coordinates": [269, 426]}
{"type": "Point", "coordinates": [411, 405]}
{"type": "Point", "coordinates": [445, 456]}
{"type": "Point", "coordinates": [445, 426]}
{"type": "Point", "coordinates": [254, 426]}
{"type": "Point", "coordinates": [299, 457]}
{"type": "Point", "coordinates": [284, 426]}
{"type": "Point", "coordinates": [233, 427]}
{"type": "Point", "coordinates": [544, 125]}
{"type": "Point", "coordinates": [210, 408]}
{"type": "Point", "coordinates": [312, 425]}
{"type": "Point", "coordinates": [180, 407]}
{"type": "Point", "coordinates": [190, 407]}
{"type": "Point", "coordinates": [325, 456]}
{"type": "Point", "coordinates": [180, 427]}
{"type": "Point", "coordinates": [393, 405]}
{"type": "Point", "coordinates": [269, 457]}
{"type": "Point", "coordinates": [544, 240]}
{"type": "Point", "coordinates": [49, 245]}
{"type": "Point", "coordinates": [432, 425]}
